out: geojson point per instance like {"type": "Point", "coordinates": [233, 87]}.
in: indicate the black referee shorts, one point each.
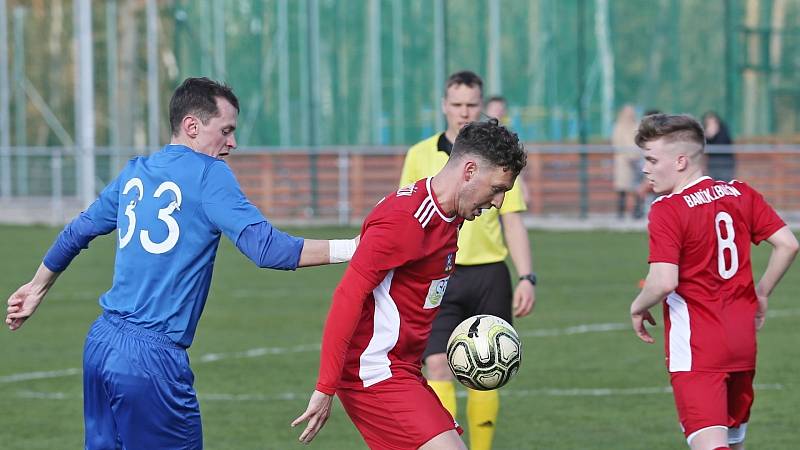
{"type": "Point", "coordinates": [472, 290]}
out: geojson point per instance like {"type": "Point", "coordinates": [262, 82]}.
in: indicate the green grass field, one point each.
{"type": "Point", "coordinates": [586, 381]}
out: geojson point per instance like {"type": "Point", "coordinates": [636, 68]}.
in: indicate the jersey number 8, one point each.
{"type": "Point", "coordinates": [164, 215]}
{"type": "Point", "coordinates": [728, 243]}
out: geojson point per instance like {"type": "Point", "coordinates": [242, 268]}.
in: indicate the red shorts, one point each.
{"type": "Point", "coordinates": [707, 399]}
{"type": "Point", "coordinates": [397, 414]}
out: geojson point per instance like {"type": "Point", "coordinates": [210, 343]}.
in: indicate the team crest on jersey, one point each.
{"type": "Point", "coordinates": [448, 266]}
{"type": "Point", "coordinates": [436, 293]}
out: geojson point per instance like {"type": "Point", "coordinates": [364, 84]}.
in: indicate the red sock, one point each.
{"type": "Point", "coordinates": [722, 448]}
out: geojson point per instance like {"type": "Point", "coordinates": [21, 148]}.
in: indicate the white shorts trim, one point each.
{"type": "Point", "coordinates": [691, 436]}
{"type": "Point", "coordinates": [736, 435]}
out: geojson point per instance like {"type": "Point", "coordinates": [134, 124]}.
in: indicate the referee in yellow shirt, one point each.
{"type": "Point", "coordinates": [482, 282]}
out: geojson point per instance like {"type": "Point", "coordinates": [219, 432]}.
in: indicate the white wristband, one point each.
{"type": "Point", "coordinates": [341, 250]}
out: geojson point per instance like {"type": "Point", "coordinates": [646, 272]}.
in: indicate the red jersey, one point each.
{"type": "Point", "coordinates": [382, 310]}
{"type": "Point", "coordinates": [706, 230]}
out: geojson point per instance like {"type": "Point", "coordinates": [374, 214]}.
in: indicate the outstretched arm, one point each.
{"type": "Point", "coordinates": [23, 303]}
{"type": "Point", "coordinates": [520, 248]}
{"type": "Point", "coordinates": [228, 209]}
{"type": "Point", "coordinates": [316, 252]}
{"type": "Point", "coordinates": [98, 219]}
{"type": "Point", "coordinates": [784, 249]}
{"type": "Point", "coordinates": [661, 280]}
{"type": "Point", "coordinates": [272, 248]}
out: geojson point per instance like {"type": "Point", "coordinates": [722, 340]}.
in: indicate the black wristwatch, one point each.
{"type": "Point", "coordinates": [530, 277]}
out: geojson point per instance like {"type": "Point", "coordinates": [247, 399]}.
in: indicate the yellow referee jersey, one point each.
{"type": "Point", "coordinates": [481, 240]}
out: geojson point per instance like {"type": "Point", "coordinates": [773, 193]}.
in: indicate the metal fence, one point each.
{"type": "Point", "coordinates": [370, 72]}
{"type": "Point", "coordinates": [322, 73]}
{"type": "Point", "coordinates": [341, 184]}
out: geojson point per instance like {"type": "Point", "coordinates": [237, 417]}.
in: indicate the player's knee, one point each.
{"type": "Point", "coordinates": [436, 367]}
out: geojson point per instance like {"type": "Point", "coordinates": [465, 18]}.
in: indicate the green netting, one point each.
{"type": "Point", "coordinates": [366, 71]}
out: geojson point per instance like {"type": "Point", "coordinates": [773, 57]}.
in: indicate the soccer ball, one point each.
{"type": "Point", "coordinates": [484, 352]}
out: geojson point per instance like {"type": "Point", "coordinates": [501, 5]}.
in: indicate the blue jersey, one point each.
{"type": "Point", "coordinates": [170, 210]}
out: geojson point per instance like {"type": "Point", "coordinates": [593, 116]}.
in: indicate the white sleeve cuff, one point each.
{"type": "Point", "coordinates": [341, 250]}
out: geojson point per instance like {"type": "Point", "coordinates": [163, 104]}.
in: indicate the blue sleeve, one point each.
{"type": "Point", "coordinates": [98, 219]}
{"type": "Point", "coordinates": [224, 202]}
{"type": "Point", "coordinates": [270, 247]}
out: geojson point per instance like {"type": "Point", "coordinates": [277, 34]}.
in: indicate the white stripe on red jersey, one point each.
{"type": "Point", "coordinates": [374, 364]}
{"type": "Point", "coordinates": [384, 306]}
{"type": "Point", "coordinates": [680, 334]}
{"type": "Point", "coordinates": [707, 230]}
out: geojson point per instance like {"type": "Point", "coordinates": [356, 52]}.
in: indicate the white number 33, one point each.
{"type": "Point", "coordinates": [164, 215]}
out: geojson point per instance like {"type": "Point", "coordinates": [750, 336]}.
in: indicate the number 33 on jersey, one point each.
{"type": "Point", "coordinates": [170, 210]}
{"type": "Point", "coordinates": [172, 193]}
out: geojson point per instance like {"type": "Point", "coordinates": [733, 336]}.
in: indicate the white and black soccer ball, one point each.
{"type": "Point", "coordinates": [484, 352]}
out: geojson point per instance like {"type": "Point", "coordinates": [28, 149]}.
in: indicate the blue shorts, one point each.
{"type": "Point", "coordinates": [137, 389]}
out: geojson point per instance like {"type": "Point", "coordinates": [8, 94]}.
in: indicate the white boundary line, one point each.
{"type": "Point", "coordinates": [256, 352]}
{"type": "Point", "coordinates": [38, 375]}
{"type": "Point", "coordinates": [577, 329]}
{"type": "Point", "coordinates": [294, 396]}
{"type": "Point", "coordinates": [266, 351]}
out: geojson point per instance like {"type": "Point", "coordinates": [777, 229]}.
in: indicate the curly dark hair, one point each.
{"type": "Point", "coordinates": [198, 96]}
{"type": "Point", "coordinates": [671, 127]}
{"type": "Point", "coordinates": [493, 142]}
